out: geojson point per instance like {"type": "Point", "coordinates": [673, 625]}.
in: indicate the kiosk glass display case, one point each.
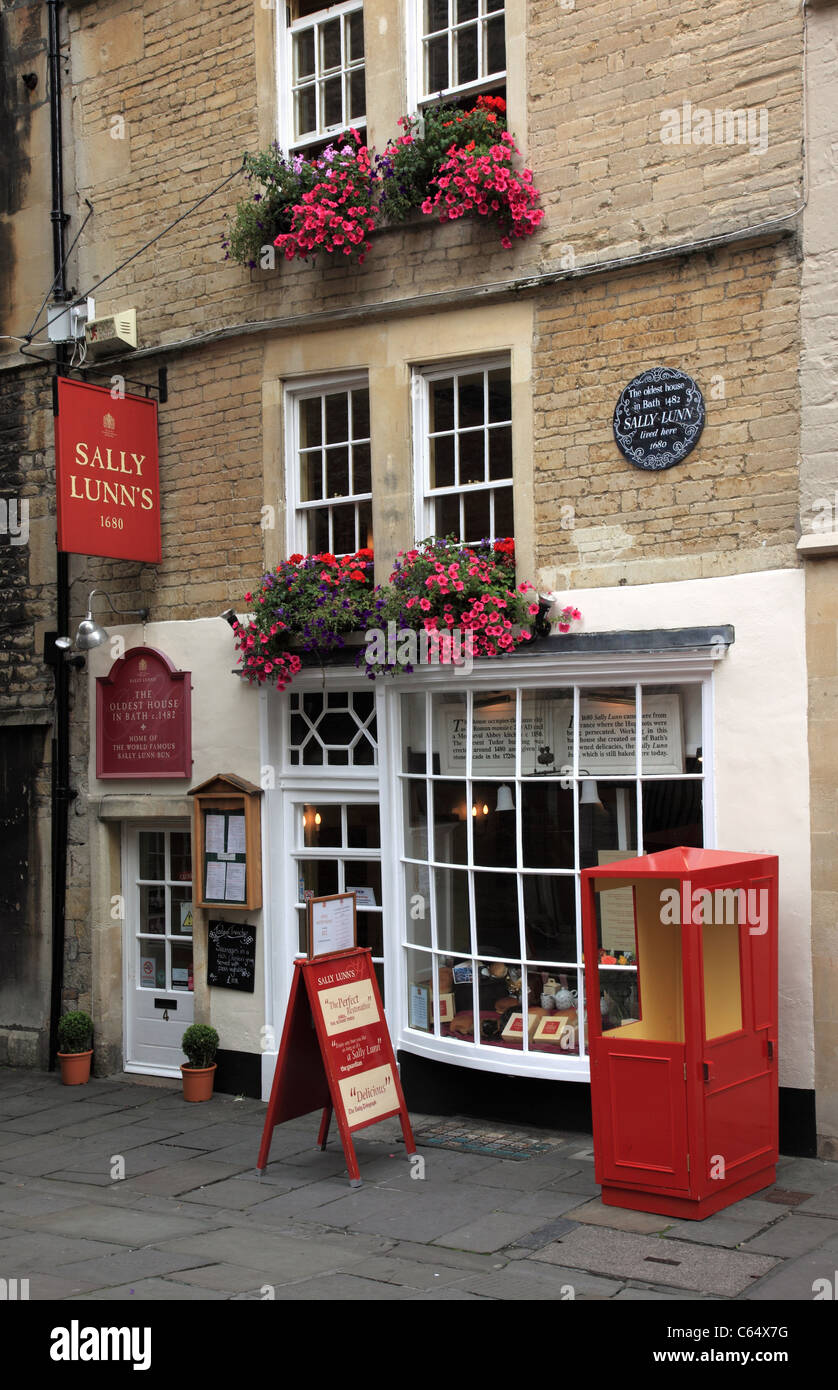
{"type": "Point", "coordinates": [681, 956]}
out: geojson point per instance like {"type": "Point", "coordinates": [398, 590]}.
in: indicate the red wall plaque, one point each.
{"type": "Point", "coordinates": [107, 484]}
{"type": "Point", "coordinates": [144, 718]}
{"type": "Point", "coordinates": [344, 1063]}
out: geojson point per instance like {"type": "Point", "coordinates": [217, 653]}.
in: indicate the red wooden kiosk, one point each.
{"type": "Point", "coordinates": [682, 1027]}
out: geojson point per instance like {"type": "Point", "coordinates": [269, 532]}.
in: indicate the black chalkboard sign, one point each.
{"type": "Point", "coordinates": [231, 956]}
{"type": "Point", "coordinates": [659, 418]}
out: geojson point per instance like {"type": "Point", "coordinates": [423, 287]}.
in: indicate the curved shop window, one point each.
{"type": "Point", "coordinates": [506, 794]}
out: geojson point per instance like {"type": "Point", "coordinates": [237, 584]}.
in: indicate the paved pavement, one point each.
{"type": "Point", "coordinates": [121, 1190]}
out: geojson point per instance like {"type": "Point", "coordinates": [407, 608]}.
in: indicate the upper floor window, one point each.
{"type": "Point", "coordinates": [463, 45]}
{"type": "Point", "coordinates": [464, 442]}
{"type": "Point", "coordinates": [329, 469]}
{"type": "Point", "coordinates": [325, 86]}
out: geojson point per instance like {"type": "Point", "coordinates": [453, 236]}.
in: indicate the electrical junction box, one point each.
{"type": "Point", "coordinates": [107, 336]}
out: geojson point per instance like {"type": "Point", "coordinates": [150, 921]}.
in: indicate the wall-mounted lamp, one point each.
{"type": "Point", "coordinates": [90, 634]}
{"type": "Point", "coordinates": [230, 616]}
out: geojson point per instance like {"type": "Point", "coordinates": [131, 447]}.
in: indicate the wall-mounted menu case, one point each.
{"type": "Point", "coordinates": [227, 843]}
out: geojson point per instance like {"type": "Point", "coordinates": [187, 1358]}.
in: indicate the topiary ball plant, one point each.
{"type": "Point", "coordinates": [200, 1043]}
{"type": "Point", "coordinates": [75, 1032]}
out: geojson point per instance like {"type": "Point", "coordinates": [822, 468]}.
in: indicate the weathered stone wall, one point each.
{"type": "Point", "coordinates": [730, 320]}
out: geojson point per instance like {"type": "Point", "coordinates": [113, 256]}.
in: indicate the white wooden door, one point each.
{"type": "Point", "coordinates": [159, 999]}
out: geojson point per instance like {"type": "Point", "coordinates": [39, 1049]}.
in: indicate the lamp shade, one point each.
{"type": "Point", "coordinates": [505, 802]}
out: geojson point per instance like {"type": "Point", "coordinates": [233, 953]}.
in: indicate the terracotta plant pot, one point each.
{"type": "Point", "coordinates": [197, 1081]}
{"type": "Point", "coordinates": [75, 1067]}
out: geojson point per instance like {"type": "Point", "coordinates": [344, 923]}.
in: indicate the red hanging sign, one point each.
{"type": "Point", "coordinates": [344, 1063]}
{"type": "Point", "coordinates": [144, 718]}
{"type": "Point", "coordinates": [107, 483]}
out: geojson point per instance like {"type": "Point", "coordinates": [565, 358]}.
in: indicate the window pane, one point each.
{"type": "Point", "coordinates": [153, 910]}
{"type": "Point", "coordinates": [437, 64]}
{"type": "Point", "coordinates": [311, 422]}
{"type": "Point", "coordinates": [450, 842]}
{"type": "Point", "coordinates": [182, 973]}
{"type": "Point", "coordinates": [476, 513]}
{"type": "Point", "coordinates": [343, 530]}
{"type": "Point", "coordinates": [318, 532]}
{"type": "Point", "coordinates": [607, 734]}
{"type": "Point", "coordinates": [355, 28]}
{"type": "Point", "coordinates": [305, 118]}
{"type": "Point", "coordinates": [496, 911]}
{"type": "Point", "coordinates": [321, 826]}
{"type": "Point", "coordinates": [317, 876]}
{"type": "Point", "coordinates": [361, 468]}
{"type": "Point", "coordinates": [472, 457]}
{"type": "Point", "coordinates": [360, 414]}
{"type": "Point", "coordinates": [447, 517]}
{"type": "Point", "coordinates": [436, 15]}
{"type": "Point", "coordinates": [415, 793]}
{"type": "Point", "coordinates": [500, 395]}
{"type": "Point", "coordinates": [671, 815]}
{"type": "Point", "coordinates": [420, 995]}
{"type": "Point", "coordinates": [413, 733]}
{"type": "Point", "coordinates": [337, 473]}
{"type": "Point", "coordinates": [330, 45]}
{"type": "Point", "coordinates": [494, 5]}
{"type": "Point", "coordinates": [181, 855]}
{"type": "Point", "coordinates": [504, 520]}
{"type": "Point", "coordinates": [500, 452]}
{"type": "Point", "coordinates": [152, 854]}
{"type": "Point", "coordinates": [365, 525]}
{"type": "Point", "coordinates": [418, 898]}
{"type": "Point", "coordinates": [607, 821]}
{"type": "Point", "coordinates": [362, 828]}
{"type": "Point", "coordinates": [558, 995]}
{"type": "Point", "coordinates": [181, 910]}
{"type": "Point", "coordinates": [332, 97]}
{"type": "Point", "coordinates": [471, 403]}
{"type": "Point", "coordinates": [550, 917]}
{"type": "Point", "coordinates": [357, 96]}
{"type": "Point", "coordinates": [152, 972]}
{"type": "Point", "coordinates": [547, 825]}
{"type": "Point", "coordinates": [442, 461]}
{"type": "Point", "coordinates": [311, 477]}
{"type": "Point", "coordinates": [452, 914]}
{"type": "Point", "coordinates": [370, 933]}
{"type": "Point", "coordinates": [494, 829]}
{"type": "Point", "coordinates": [466, 55]}
{"type": "Point", "coordinates": [442, 405]}
{"type": "Point", "coordinates": [466, 9]}
{"type": "Point", "coordinates": [304, 54]}
{"type": "Point", "coordinates": [495, 46]}
{"type": "Point", "coordinates": [337, 418]}
{"type": "Point", "coordinates": [365, 875]}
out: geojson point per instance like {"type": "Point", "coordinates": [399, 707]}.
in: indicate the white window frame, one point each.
{"type": "Point", "coordinates": [417, 95]}
{"type": "Point", "coordinates": [297, 510]}
{"type": "Point", "coordinates": [383, 783]}
{"type": "Point", "coordinates": [286, 32]}
{"type": "Point", "coordinates": [631, 669]}
{"type": "Point", "coordinates": [426, 496]}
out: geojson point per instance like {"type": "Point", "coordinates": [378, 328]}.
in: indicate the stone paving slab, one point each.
{"type": "Point", "coordinates": [50, 1288]}
{"type": "Point", "coordinates": [29, 1250]}
{"type": "Point", "coordinates": [794, 1279]}
{"type": "Point", "coordinates": [488, 1233]}
{"type": "Point", "coordinates": [258, 1249]}
{"type": "Point", "coordinates": [108, 1271]}
{"type": "Point", "coordinates": [414, 1274]}
{"type": "Point", "coordinates": [529, 1176]}
{"type": "Point", "coordinates": [283, 1206]}
{"type": "Point", "coordinates": [123, 1227]}
{"type": "Point", "coordinates": [421, 1215]}
{"type": "Point", "coordinates": [596, 1213]}
{"type": "Point", "coordinates": [824, 1204]}
{"type": "Point", "coordinates": [545, 1203]}
{"type": "Point", "coordinates": [21, 1200]}
{"type": "Point", "coordinates": [545, 1235]}
{"type": "Point", "coordinates": [715, 1230]}
{"type": "Point", "coordinates": [339, 1287]}
{"type": "Point", "coordinates": [226, 1278]}
{"type": "Point", "coordinates": [230, 1194]}
{"type": "Point", "coordinates": [526, 1280]}
{"type": "Point", "coordinates": [184, 1176]}
{"type": "Point", "coordinates": [652, 1260]}
{"type": "Point", "coordinates": [805, 1174]}
{"type": "Point", "coordinates": [151, 1291]}
{"type": "Point", "coordinates": [794, 1235]}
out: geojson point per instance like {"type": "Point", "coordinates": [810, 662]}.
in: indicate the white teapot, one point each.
{"type": "Point", "coordinates": [566, 998]}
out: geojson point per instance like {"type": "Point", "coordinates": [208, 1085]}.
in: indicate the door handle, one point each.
{"type": "Point", "coordinates": [771, 1049]}
{"type": "Point", "coordinates": [709, 1070]}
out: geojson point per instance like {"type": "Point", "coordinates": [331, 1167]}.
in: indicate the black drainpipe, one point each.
{"type": "Point", "coordinates": [61, 793]}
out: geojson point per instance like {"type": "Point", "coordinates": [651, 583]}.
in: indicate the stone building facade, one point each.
{"type": "Point", "coordinates": [688, 209]}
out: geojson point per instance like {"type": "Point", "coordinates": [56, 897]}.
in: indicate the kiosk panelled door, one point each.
{"type": "Point", "coordinates": [159, 976]}
{"type": "Point", "coordinates": [638, 1047]}
{"type": "Point", "coordinates": [739, 1054]}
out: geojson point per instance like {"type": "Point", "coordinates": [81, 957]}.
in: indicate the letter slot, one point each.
{"type": "Point", "coordinates": [165, 1004]}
